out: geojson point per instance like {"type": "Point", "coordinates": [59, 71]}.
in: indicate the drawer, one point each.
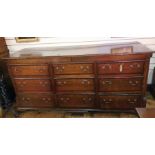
{"type": "Point", "coordinates": [120, 84]}
{"type": "Point", "coordinates": [29, 70]}
{"type": "Point", "coordinates": [121, 68]}
{"type": "Point", "coordinates": [120, 101]}
{"type": "Point", "coordinates": [75, 84]}
{"type": "Point", "coordinates": [32, 85]}
{"type": "Point", "coordinates": [35, 100]}
{"type": "Point", "coordinates": [73, 68]}
{"type": "Point", "coordinates": [75, 101]}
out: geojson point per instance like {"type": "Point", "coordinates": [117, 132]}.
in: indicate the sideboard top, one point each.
{"type": "Point", "coordinates": [78, 50]}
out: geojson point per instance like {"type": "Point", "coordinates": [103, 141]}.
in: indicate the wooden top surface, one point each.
{"type": "Point", "coordinates": [79, 50]}
{"type": "Point", "coordinates": [146, 113]}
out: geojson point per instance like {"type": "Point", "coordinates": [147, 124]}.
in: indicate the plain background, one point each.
{"type": "Point", "coordinates": [77, 18]}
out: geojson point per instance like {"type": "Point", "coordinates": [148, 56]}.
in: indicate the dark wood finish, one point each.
{"type": "Point", "coordinates": [73, 68]}
{"type": "Point", "coordinates": [126, 84]}
{"type": "Point", "coordinates": [63, 85]}
{"type": "Point", "coordinates": [29, 70]}
{"type": "Point", "coordinates": [35, 100]}
{"type": "Point", "coordinates": [76, 101]}
{"type": "Point", "coordinates": [33, 85]}
{"type": "Point", "coordinates": [117, 101]}
{"type": "Point", "coordinates": [122, 68]}
{"type": "Point", "coordinates": [145, 113]}
{"type": "Point", "coordinates": [93, 79]}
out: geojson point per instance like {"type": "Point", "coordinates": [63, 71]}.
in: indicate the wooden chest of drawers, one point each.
{"type": "Point", "coordinates": [99, 81]}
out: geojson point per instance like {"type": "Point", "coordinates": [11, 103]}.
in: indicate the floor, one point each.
{"type": "Point", "coordinates": [54, 114]}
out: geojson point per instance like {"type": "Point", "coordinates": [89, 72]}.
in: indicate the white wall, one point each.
{"type": "Point", "coordinates": [52, 42]}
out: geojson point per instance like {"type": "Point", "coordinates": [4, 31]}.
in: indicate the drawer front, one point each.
{"type": "Point", "coordinates": [120, 101]}
{"type": "Point", "coordinates": [33, 85]}
{"type": "Point", "coordinates": [35, 100]}
{"type": "Point", "coordinates": [121, 68]}
{"type": "Point", "coordinates": [75, 84]}
{"type": "Point", "coordinates": [73, 68]}
{"type": "Point", "coordinates": [29, 70]}
{"type": "Point", "coordinates": [120, 84]}
{"type": "Point", "coordinates": [75, 101]}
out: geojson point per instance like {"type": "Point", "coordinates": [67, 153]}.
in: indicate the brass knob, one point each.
{"type": "Point", "coordinates": [107, 82]}
{"type": "Point", "coordinates": [60, 68]}
{"type": "Point", "coordinates": [68, 99]}
{"type": "Point", "coordinates": [24, 82]}
{"type": "Point", "coordinates": [85, 82]}
{"type": "Point", "coordinates": [132, 101]}
{"type": "Point", "coordinates": [26, 99]}
{"type": "Point", "coordinates": [43, 99]}
{"type": "Point", "coordinates": [61, 99]}
{"type": "Point", "coordinates": [136, 65]}
{"type": "Point", "coordinates": [89, 98]}
{"type": "Point", "coordinates": [133, 83]}
{"type": "Point", "coordinates": [107, 100]}
{"type": "Point", "coordinates": [57, 68]}
{"type": "Point", "coordinates": [16, 70]}
{"type": "Point", "coordinates": [49, 99]}
{"type": "Point", "coordinates": [84, 68]}
{"type": "Point", "coordinates": [106, 66]}
{"type": "Point", "coordinates": [84, 99]}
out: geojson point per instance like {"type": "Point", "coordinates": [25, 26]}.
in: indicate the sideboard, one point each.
{"type": "Point", "coordinates": [88, 78]}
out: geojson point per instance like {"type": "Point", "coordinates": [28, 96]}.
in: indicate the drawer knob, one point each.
{"type": "Point", "coordinates": [60, 68]}
{"type": "Point", "coordinates": [68, 99]}
{"type": "Point", "coordinates": [106, 66]}
{"type": "Point", "coordinates": [61, 99]}
{"type": "Point", "coordinates": [22, 83]}
{"type": "Point", "coordinates": [85, 82]}
{"type": "Point", "coordinates": [46, 99]}
{"type": "Point", "coordinates": [90, 99]}
{"type": "Point", "coordinates": [135, 65]}
{"type": "Point", "coordinates": [49, 99]}
{"type": "Point", "coordinates": [26, 99]}
{"type": "Point", "coordinates": [61, 82]}
{"type": "Point", "coordinates": [132, 101]}
{"type": "Point", "coordinates": [86, 99]}
{"type": "Point", "coordinates": [107, 82]}
{"type": "Point", "coordinates": [41, 69]}
{"type": "Point", "coordinates": [84, 68]}
{"type": "Point", "coordinates": [43, 83]}
{"type": "Point", "coordinates": [133, 83]}
{"type": "Point", "coordinates": [65, 99]}
{"type": "Point", "coordinates": [16, 69]}
{"type": "Point", "coordinates": [107, 100]}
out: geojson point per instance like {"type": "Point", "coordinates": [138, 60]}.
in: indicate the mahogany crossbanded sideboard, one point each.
{"type": "Point", "coordinates": [87, 78]}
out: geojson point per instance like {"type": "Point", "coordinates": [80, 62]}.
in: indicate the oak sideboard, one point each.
{"type": "Point", "coordinates": [89, 78]}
